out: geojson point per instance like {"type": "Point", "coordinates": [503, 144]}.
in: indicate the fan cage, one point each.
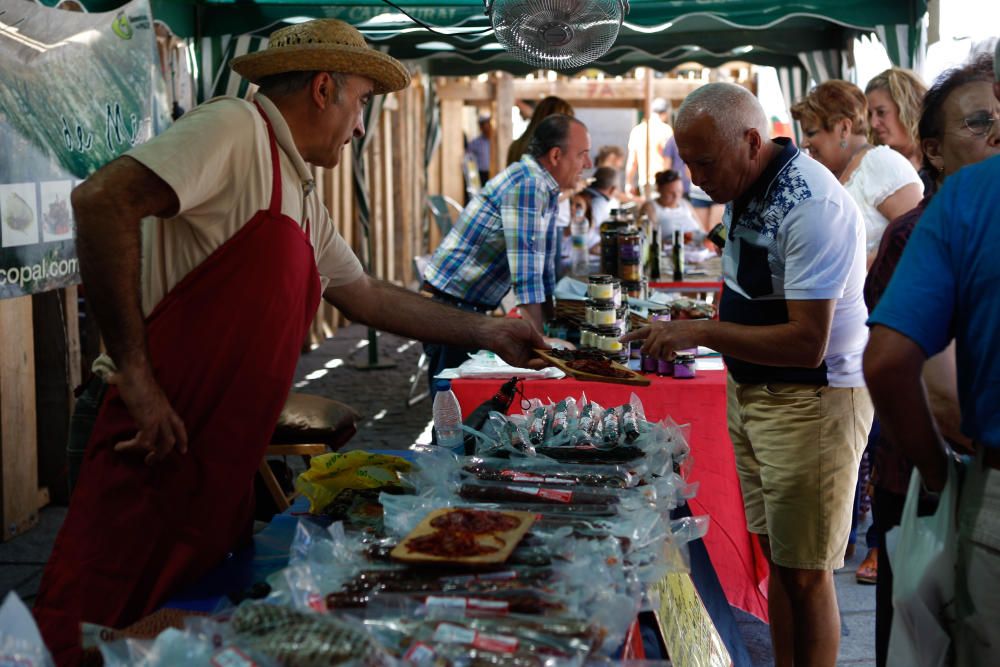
{"type": "Point", "coordinates": [557, 34]}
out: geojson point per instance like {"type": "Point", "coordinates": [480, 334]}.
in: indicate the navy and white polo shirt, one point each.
{"type": "Point", "coordinates": [796, 234]}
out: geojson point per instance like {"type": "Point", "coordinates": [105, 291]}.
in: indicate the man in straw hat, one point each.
{"type": "Point", "coordinates": [204, 309]}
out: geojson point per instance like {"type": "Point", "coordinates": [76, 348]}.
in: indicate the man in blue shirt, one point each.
{"type": "Point", "coordinates": [479, 149]}
{"type": "Point", "coordinates": [945, 287]}
{"type": "Point", "coordinates": [506, 237]}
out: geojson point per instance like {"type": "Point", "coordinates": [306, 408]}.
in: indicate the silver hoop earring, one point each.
{"type": "Point", "coordinates": [843, 143]}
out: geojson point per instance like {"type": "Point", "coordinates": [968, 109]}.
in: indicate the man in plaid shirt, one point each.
{"type": "Point", "coordinates": [506, 237]}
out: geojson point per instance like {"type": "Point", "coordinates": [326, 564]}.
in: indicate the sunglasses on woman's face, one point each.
{"type": "Point", "coordinates": [980, 123]}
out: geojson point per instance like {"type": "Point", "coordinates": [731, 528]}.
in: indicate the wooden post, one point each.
{"type": "Point", "coordinates": [57, 372]}
{"type": "Point", "coordinates": [20, 495]}
{"type": "Point", "coordinates": [452, 150]}
{"type": "Point", "coordinates": [390, 135]}
{"type": "Point", "coordinates": [504, 127]}
{"type": "Point", "coordinates": [406, 159]}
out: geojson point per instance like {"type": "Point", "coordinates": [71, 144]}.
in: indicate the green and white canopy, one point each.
{"type": "Point", "coordinates": [805, 39]}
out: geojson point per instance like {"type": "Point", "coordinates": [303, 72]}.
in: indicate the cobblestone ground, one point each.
{"type": "Point", "coordinates": [380, 395]}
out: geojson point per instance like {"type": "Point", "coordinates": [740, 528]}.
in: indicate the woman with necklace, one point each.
{"type": "Point", "coordinates": [881, 181]}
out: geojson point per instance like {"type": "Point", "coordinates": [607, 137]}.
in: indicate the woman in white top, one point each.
{"type": "Point", "coordinates": [834, 130]}
{"type": "Point", "coordinates": [669, 211]}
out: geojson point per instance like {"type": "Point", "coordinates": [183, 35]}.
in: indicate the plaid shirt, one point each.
{"type": "Point", "coordinates": [505, 237]}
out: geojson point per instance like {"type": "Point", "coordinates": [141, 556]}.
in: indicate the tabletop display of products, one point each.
{"type": "Point", "coordinates": [538, 550]}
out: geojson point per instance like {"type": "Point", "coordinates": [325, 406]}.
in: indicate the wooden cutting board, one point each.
{"type": "Point", "coordinates": [505, 541]}
{"type": "Point", "coordinates": [637, 379]}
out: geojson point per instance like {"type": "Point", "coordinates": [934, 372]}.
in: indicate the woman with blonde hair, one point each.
{"type": "Point", "coordinates": [881, 181]}
{"type": "Point", "coordinates": [895, 98]}
{"type": "Point", "coordinates": [548, 106]}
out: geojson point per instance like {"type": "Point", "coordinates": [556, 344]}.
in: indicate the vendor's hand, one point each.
{"type": "Point", "coordinates": [514, 340]}
{"type": "Point", "coordinates": [662, 340]}
{"type": "Point", "coordinates": [160, 428]}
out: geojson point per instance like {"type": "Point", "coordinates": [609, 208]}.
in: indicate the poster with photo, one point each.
{"type": "Point", "coordinates": [86, 87]}
{"type": "Point", "coordinates": [19, 222]}
{"type": "Point", "coordinates": [56, 212]}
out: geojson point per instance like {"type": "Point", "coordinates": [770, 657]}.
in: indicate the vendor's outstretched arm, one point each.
{"type": "Point", "coordinates": [109, 207]}
{"type": "Point", "coordinates": [389, 308]}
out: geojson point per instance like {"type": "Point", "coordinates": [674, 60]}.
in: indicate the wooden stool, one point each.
{"type": "Point", "coordinates": [308, 426]}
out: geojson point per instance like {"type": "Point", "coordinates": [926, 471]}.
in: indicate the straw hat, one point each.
{"type": "Point", "coordinates": [323, 45]}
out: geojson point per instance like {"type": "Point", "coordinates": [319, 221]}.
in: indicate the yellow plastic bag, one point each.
{"type": "Point", "coordinates": [329, 474]}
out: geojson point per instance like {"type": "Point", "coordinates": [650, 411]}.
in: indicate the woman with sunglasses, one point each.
{"type": "Point", "coordinates": [958, 127]}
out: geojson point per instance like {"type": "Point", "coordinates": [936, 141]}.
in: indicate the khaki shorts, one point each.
{"type": "Point", "coordinates": [798, 448]}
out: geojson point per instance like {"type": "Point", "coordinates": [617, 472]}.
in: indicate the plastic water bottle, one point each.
{"type": "Point", "coordinates": [447, 417]}
{"type": "Point", "coordinates": [579, 260]}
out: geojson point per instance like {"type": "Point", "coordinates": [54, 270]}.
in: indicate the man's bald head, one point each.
{"type": "Point", "coordinates": [734, 110]}
{"type": "Point", "coordinates": [721, 133]}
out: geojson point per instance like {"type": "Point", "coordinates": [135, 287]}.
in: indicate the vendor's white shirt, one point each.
{"type": "Point", "coordinates": [217, 159]}
{"type": "Point", "coordinates": [601, 207]}
{"type": "Point", "coordinates": [678, 218]}
{"type": "Point", "coordinates": [658, 136]}
{"type": "Point", "coordinates": [881, 172]}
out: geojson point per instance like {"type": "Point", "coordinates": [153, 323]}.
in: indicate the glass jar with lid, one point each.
{"type": "Point", "coordinates": [632, 288]}
{"type": "Point", "coordinates": [684, 366]}
{"type": "Point", "coordinates": [607, 342]}
{"type": "Point", "coordinates": [629, 244]}
{"type": "Point", "coordinates": [601, 313]}
{"type": "Point", "coordinates": [630, 271]}
{"type": "Point", "coordinates": [599, 286]}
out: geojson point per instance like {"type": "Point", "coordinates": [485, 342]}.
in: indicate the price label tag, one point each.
{"type": "Point", "coordinates": [558, 495]}
{"type": "Point", "coordinates": [91, 633]}
{"type": "Point", "coordinates": [316, 602]}
{"type": "Point", "coordinates": [456, 634]}
{"type": "Point", "coordinates": [467, 604]}
{"type": "Point", "coordinates": [496, 643]}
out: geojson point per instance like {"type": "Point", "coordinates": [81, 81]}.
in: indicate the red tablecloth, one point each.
{"type": "Point", "coordinates": [700, 402]}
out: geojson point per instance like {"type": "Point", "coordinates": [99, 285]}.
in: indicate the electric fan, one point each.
{"type": "Point", "coordinates": [556, 34]}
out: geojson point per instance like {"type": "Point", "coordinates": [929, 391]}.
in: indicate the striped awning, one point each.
{"type": "Point", "coordinates": [214, 55]}
{"type": "Point", "coordinates": [905, 43]}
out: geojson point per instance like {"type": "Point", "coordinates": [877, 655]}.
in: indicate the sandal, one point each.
{"type": "Point", "coordinates": [867, 572]}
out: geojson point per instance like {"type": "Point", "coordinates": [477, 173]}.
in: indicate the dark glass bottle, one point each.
{"type": "Point", "coordinates": [678, 256]}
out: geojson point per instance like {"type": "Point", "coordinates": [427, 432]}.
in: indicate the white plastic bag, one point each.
{"type": "Point", "coordinates": [923, 568]}
{"type": "Point", "coordinates": [20, 642]}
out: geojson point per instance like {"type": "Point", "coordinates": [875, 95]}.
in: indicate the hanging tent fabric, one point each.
{"type": "Point", "coordinates": [803, 33]}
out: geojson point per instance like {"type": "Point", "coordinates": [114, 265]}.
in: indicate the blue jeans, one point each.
{"type": "Point", "coordinates": [441, 356]}
{"type": "Point", "coordinates": [872, 536]}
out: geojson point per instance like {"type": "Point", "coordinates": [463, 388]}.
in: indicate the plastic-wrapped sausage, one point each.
{"type": "Point", "coordinates": [584, 454]}
{"type": "Point", "coordinates": [505, 492]}
{"type": "Point", "coordinates": [560, 417]}
{"type": "Point", "coordinates": [630, 424]}
{"type": "Point", "coordinates": [587, 418]}
{"type": "Point", "coordinates": [538, 423]}
{"type": "Point", "coordinates": [516, 439]}
{"type": "Point", "coordinates": [612, 428]}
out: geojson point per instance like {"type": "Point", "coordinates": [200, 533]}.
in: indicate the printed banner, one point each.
{"type": "Point", "coordinates": [76, 91]}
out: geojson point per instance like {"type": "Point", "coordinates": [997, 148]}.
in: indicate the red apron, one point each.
{"type": "Point", "coordinates": [223, 343]}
